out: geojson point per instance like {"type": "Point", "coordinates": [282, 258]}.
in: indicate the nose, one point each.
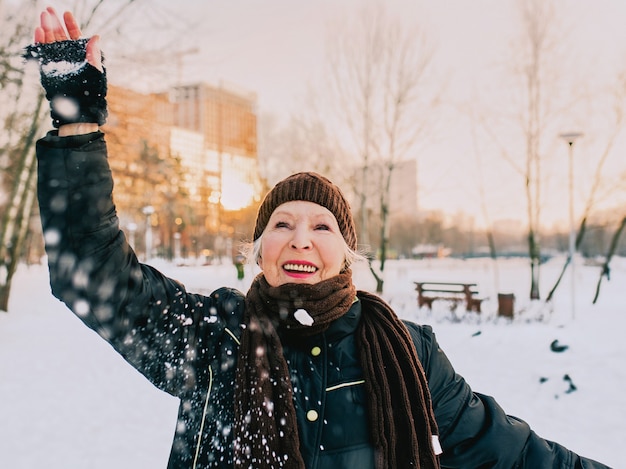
{"type": "Point", "coordinates": [301, 238]}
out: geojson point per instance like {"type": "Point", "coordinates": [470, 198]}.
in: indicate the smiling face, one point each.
{"type": "Point", "coordinates": [302, 243]}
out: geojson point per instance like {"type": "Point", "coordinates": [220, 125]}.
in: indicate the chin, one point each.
{"type": "Point", "coordinates": [309, 280]}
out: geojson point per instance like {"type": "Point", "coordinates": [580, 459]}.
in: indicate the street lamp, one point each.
{"type": "Point", "coordinates": [570, 138]}
{"type": "Point", "coordinates": [132, 229]}
{"type": "Point", "coordinates": [177, 257]}
{"type": "Point", "coordinates": [148, 210]}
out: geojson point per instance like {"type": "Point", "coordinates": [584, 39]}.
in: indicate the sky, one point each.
{"type": "Point", "coordinates": [277, 50]}
{"type": "Point", "coordinates": [277, 47]}
{"type": "Point", "coordinates": [68, 400]}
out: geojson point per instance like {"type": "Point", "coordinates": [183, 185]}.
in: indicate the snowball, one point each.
{"type": "Point", "coordinates": [436, 445]}
{"type": "Point", "coordinates": [303, 317]}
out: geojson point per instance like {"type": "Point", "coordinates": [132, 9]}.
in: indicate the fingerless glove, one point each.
{"type": "Point", "coordinates": [76, 89]}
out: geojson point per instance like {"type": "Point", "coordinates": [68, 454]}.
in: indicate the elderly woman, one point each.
{"type": "Point", "coordinates": [303, 370]}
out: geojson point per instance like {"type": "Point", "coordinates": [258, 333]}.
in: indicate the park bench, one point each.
{"type": "Point", "coordinates": [455, 293]}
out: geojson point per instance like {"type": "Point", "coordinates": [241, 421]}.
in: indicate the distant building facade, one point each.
{"type": "Point", "coordinates": [403, 190]}
{"type": "Point", "coordinates": [190, 153]}
{"type": "Point", "coordinates": [227, 119]}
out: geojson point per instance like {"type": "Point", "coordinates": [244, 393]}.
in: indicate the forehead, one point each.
{"type": "Point", "coordinates": [301, 208]}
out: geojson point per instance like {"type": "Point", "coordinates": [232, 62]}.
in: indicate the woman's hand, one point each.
{"type": "Point", "coordinates": [87, 113]}
{"type": "Point", "coordinates": [51, 30]}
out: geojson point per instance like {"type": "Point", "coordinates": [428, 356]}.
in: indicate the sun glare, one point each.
{"type": "Point", "coordinates": [236, 194]}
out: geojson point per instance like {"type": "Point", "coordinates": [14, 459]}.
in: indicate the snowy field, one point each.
{"type": "Point", "coordinates": [67, 400]}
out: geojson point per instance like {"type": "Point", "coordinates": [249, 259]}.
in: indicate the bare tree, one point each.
{"type": "Point", "coordinates": [538, 19]}
{"type": "Point", "coordinates": [535, 60]}
{"type": "Point", "coordinates": [606, 270]}
{"type": "Point", "coordinates": [489, 231]}
{"type": "Point", "coordinates": [304, 143]}
{"type": "Point", "coordinates": [379, 72]}
{"type": "Point", "coordinates": [600, 187]}
{"type": "Point", "coordinates": [22, 111]}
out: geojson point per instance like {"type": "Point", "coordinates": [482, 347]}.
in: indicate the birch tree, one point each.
{"type": "Point", "coordinates": [538, 20]}
{"type": "Point", "coordinates": [379, 76]}
{"type": "Point", "coordinates": [534, 59]}
{"type": "Point", "coordinates": [23, 112]}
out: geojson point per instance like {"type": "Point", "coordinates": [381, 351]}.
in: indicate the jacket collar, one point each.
{"type": "Point", "coordinates": [346, 324]}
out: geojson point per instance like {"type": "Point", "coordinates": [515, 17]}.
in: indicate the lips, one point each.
{"type": "Point", "coordinates": [298, 267]}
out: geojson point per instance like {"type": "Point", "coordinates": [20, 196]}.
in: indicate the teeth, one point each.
{"type": "Point", "coordinates": [300, 268]}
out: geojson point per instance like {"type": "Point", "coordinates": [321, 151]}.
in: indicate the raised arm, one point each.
{"type": "Point", "coordinates": [147, 317]}
{"type": "Point", "coordinates": [76, 93]}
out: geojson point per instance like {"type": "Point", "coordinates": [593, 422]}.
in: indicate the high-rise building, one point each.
{"type": "Point", "coordinates": [227, 120]}
{"type": "Point", "coordinates": [138, 139]}
{"type": "Point", "coordinates": [190, 154]}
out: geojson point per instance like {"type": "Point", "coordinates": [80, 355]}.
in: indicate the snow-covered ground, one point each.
{"type": "Point", "coordinates": [67, 400]}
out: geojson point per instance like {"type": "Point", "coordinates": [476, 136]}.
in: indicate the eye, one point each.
{"type": "Point", "coordinates": [281, 224]}
{"type": "Point", "coordinates": [323, 227]}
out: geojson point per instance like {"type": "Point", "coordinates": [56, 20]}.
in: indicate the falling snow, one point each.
{"type": "Point", "coordinates": [68, 400]}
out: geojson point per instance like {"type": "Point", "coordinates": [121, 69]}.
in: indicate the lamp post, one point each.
{"type": "Point", "coordinates": [177, 258]}
{"type": "Point", "coordinates": [148, 210]}
{"type": "Point", "coordinates": [570, 138]}
{"type": "Point", "coordinates": [132, 229]}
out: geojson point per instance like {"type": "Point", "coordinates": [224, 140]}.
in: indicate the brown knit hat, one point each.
{"type": "Point", "coordinates": [309, 187]}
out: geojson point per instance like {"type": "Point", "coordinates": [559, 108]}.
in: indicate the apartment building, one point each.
{"type": "Point", "coordinates": [181, 161]}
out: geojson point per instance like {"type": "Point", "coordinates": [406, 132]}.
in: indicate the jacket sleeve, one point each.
{"type": "Point", "coordinates": [157, 326]}
{"type": "Point", "coordinates": [474, 431]}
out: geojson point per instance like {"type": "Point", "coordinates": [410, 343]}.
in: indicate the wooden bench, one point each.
{"type": "Point", "coordinates": [427, 292]}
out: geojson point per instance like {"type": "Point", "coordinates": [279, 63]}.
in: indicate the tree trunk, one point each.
{"type": "Point", "coordinates": [15, 221]}
{"type": "Point", "coordinates": [19, 243]}
{"type": "Point", "coordinates": [384, 236]}
{"type": "Point", "coordinates": [385, 196]}
{"type": "Point", "coordinates": [605, 266]}
{"type": "Point", "coordinates": [379, 280]}
{"type": "Point", "coordinates": [535, 260]}
{"type": "Point", "coordinates": [579, 239]}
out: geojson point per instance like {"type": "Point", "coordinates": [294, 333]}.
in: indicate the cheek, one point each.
{"type": "Point", "coordinates": [270, 249]}
{"type": "Point", "coordinates": [334, 256]}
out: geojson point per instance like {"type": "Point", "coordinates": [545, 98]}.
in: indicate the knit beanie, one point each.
{"type": "Point", "coordinates": [309, 187]}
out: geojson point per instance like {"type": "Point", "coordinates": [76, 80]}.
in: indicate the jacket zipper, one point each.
{"type": "Point", "coordinates": [206, 405]}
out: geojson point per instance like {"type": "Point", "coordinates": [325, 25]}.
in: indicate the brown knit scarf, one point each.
{"type": "Point", "coordinates": [400, 409]}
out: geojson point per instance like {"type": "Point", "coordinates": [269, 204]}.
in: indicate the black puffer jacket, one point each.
{"type": "Point", "coordinates": [187, 344]}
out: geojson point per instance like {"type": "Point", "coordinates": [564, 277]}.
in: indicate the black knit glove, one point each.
{"type": "Point", "coordinates": [76, 89]}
